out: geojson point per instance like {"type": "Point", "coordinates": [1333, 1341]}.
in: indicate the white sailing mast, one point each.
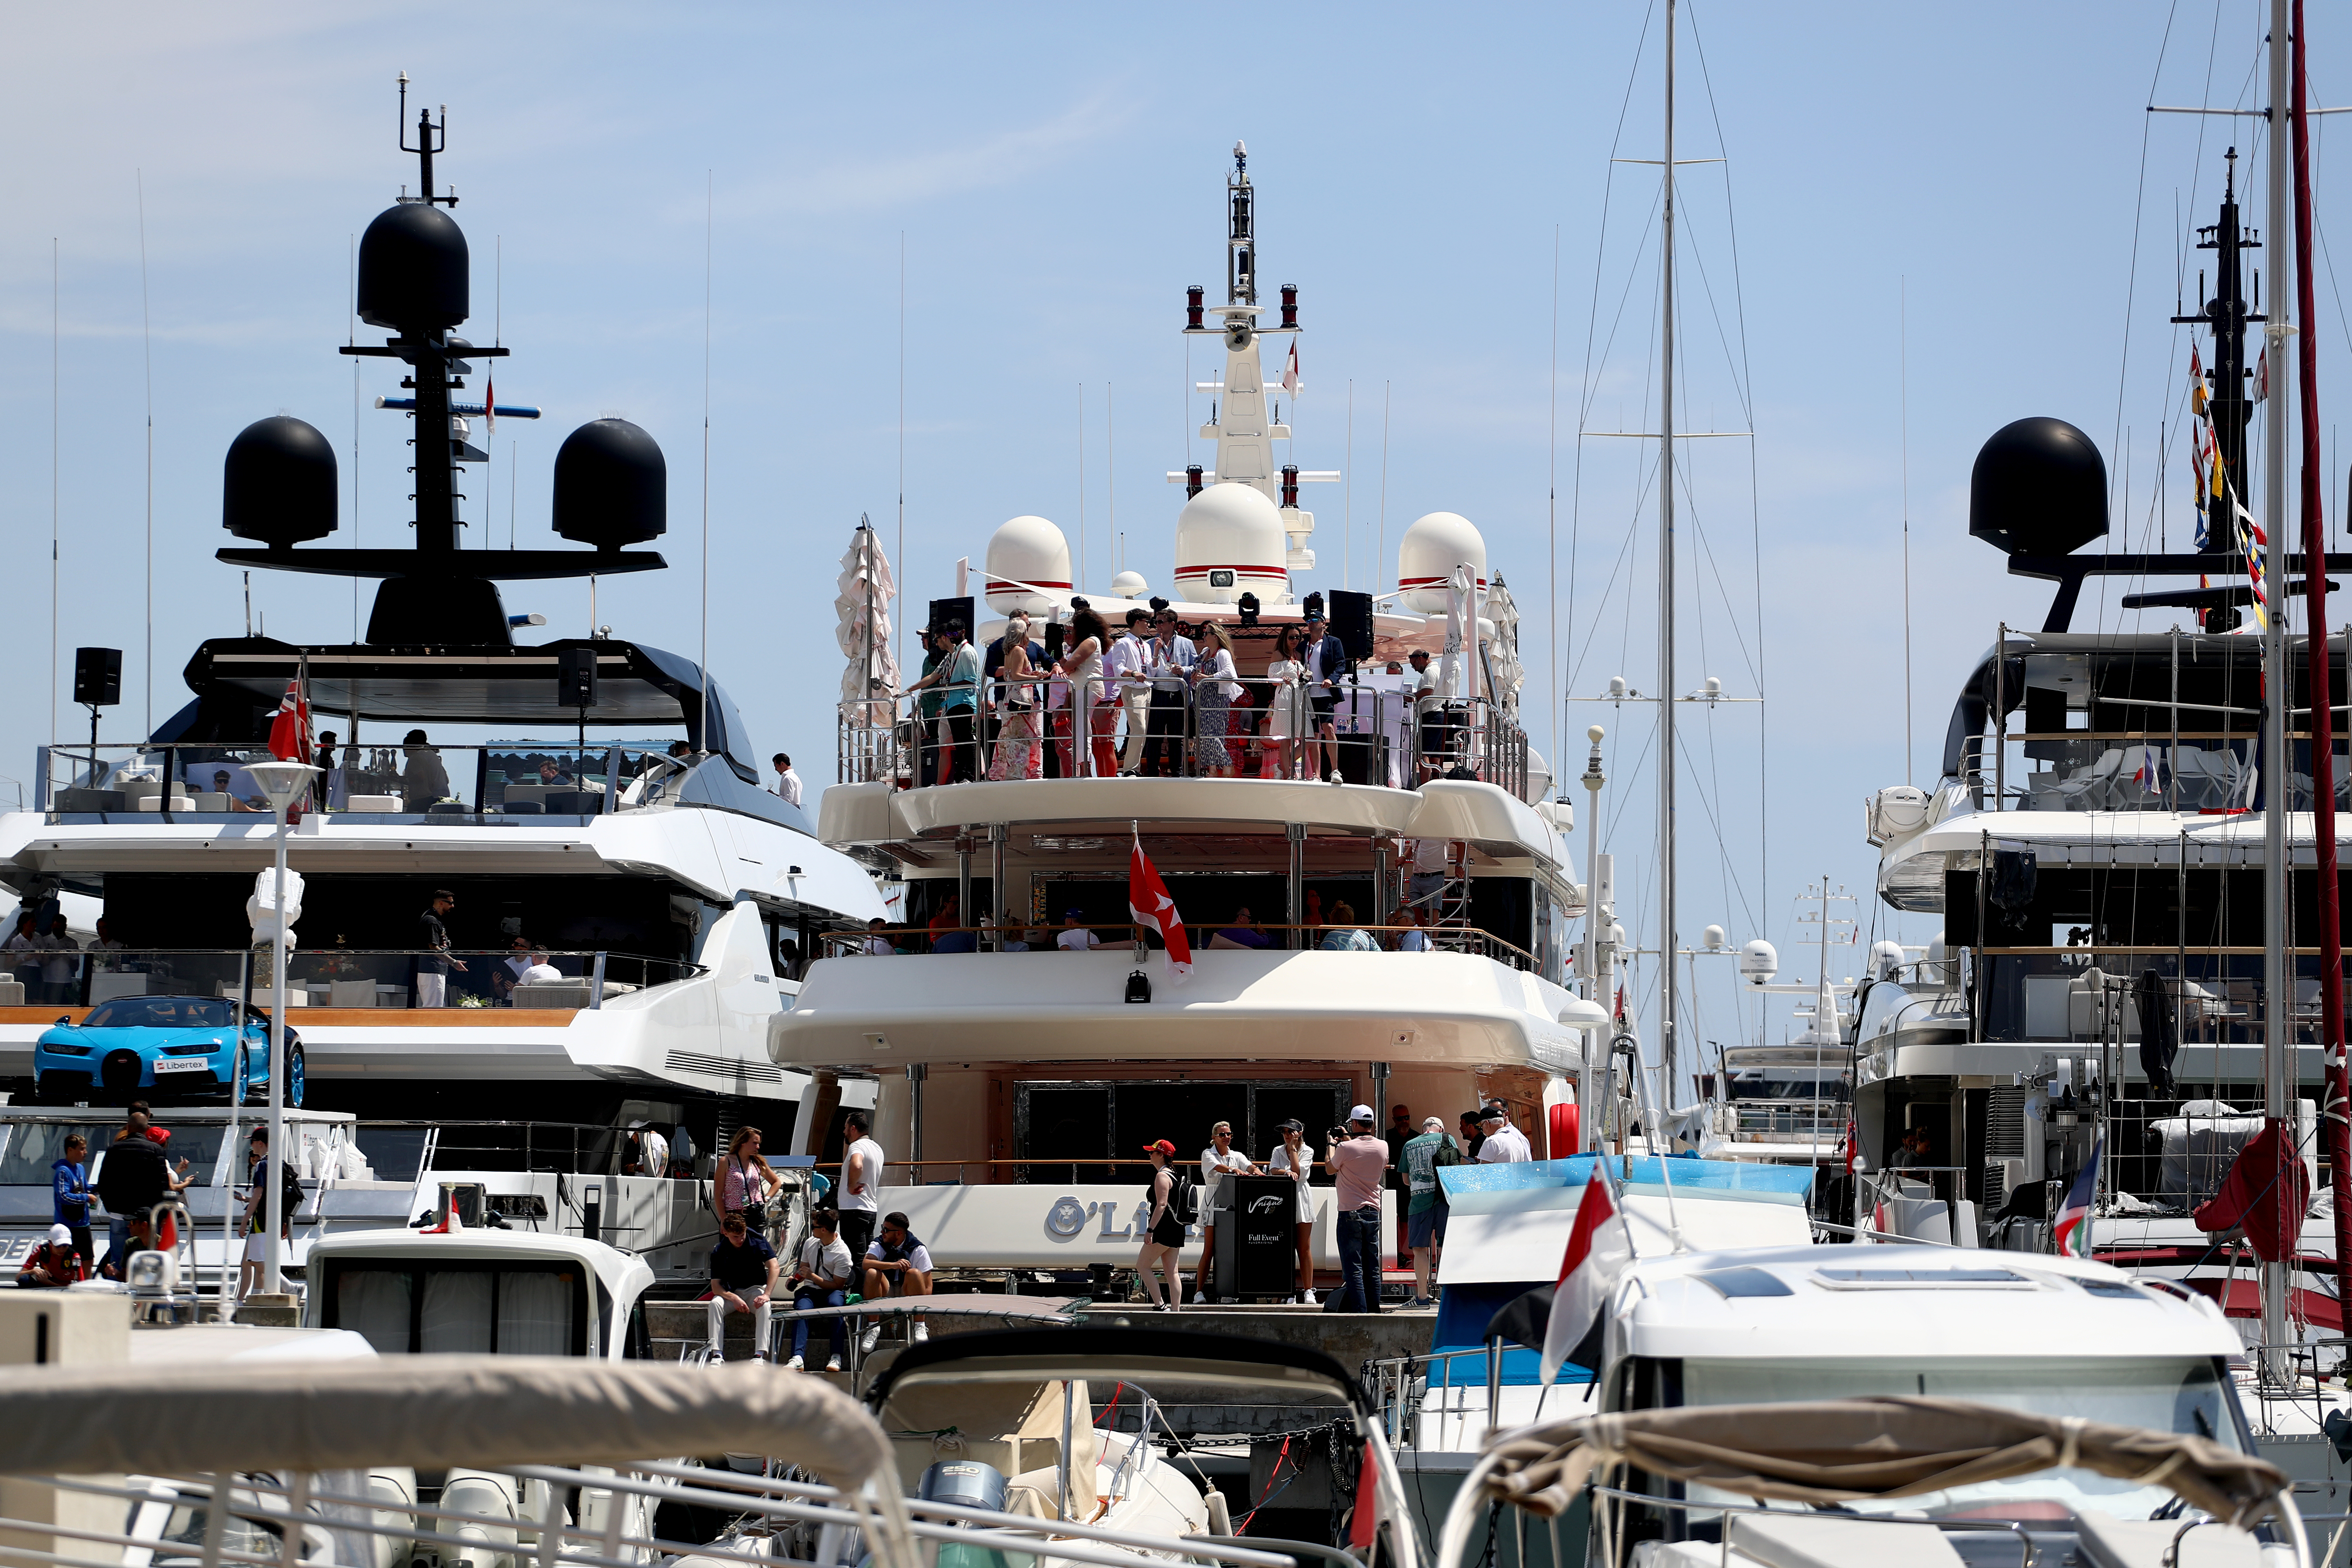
{"type": "Point", "coordinates": [1667, 945]}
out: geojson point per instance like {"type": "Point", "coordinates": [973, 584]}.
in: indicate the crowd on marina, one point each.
{"type": "Point", "coordinates": [1164, 698]}
{"type": "Point", "coordinates": [1411, 928]}
{"type": "Point", "coordinates": [138, 1190]}
{"type": "Point", "coordinates": [855, 1251]}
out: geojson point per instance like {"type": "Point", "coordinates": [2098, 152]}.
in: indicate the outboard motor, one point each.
{"type": "Point", "coordinates": [973, 1485]}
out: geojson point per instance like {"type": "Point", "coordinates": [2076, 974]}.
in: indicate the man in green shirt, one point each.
{"type": "Point", "coordinates": [1425, 1212]}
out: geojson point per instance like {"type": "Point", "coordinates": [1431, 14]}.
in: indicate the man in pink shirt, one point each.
{"type": "Point", "coordinates": [1358, 1164]}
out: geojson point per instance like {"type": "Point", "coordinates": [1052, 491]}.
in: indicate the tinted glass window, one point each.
{"type": "Point", "coordinates": [162, 1013]}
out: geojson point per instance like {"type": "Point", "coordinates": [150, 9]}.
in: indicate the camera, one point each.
{"type": "Point", "coordinates": [1338, 1134]}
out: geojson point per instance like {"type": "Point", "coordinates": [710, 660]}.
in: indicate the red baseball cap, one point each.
{"type": "Point", "coordinates": [1161, 1147]}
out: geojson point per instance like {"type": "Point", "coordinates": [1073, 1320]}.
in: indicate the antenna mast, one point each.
{"type": "Point", "coordinates": [1666, 942]}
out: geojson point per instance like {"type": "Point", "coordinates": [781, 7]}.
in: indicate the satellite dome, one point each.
{"type": "Point", "coordinates": [1129, 586]}
{"type": "Point", "coordinates": [1758, 962]}
{"type": "Point", "coordinates": [612, 487]}
{"type": "Point", "coordinates": [1428, 553]}
{"type": "Point", "coordinates": [1031, 551]}
{"type": "Point", "coordinates": [278, 486]}
{"type": "Point", "coordinates": [1228, 542]}
{"type": "Point", "coordinates": [413, 269]}
{"type": "Point", "coordinates": [2040, 487]}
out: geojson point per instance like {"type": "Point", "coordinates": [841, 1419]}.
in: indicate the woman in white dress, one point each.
{"type": "Point", "coordinates": [1093, 710]}
{"type": "Point", "coordinates": [1283, 703]}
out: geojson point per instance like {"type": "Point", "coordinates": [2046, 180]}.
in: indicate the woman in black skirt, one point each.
{"type": "Point", "coordinates": [1163, 1234]}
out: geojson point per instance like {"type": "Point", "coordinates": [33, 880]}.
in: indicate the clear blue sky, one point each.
{"type": "Point", "coordinates": [1057, 175]}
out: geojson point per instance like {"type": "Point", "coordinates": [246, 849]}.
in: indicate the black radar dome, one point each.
{"type": "Point", "coordinates": [413, 269]}
{"type": "Point", "coordinates": [2040, 487]}
{"type": "Point", "coordinates": [278, 486]}
{"type": "Point", "coordinates": [612, 487]}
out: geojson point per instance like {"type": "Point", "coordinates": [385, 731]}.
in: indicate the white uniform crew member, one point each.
{"type": "Point", "coordinates": [1505, 1144]}
{"type": "Point", "coordinates": [1219, 1156]}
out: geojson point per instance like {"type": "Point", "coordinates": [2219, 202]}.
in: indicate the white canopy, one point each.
{"type": "Point", "coordinates": [862, 601]}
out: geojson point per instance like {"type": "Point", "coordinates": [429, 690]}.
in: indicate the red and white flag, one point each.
{"type": "Point", "coordinates": [1149, 902]}
{"type": "Point", "coordinates": [1598, 1248]}
{"type": "Point", "coordinates": [1290, 370]}
{"type": "Point", "coordinates": [289, 731]}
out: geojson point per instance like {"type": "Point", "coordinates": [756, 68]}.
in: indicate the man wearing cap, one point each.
{"type": "Point", "coordinates": [1326, 658]}
{"type": "Point", "coordinates": [434, 963]}
{"type": "Point", "coordinates": [1219, 1157]}
{"type": "Point", "coordinates": [1505, 1144]}
{"type": "Point", "coordinates": [1293, 1158]}
{"type": "Point", "coordinates": [1425, 1156]}
{"type": "Point", "coordinates": [1074, 936]}
{"type": "Point", "coordinates": [53, 1265]}
{"type": "Point", "coordinates": [1357, 1164]}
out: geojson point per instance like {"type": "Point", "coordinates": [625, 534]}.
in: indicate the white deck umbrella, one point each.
{"type": "Point", "coordinates": [862, 601]}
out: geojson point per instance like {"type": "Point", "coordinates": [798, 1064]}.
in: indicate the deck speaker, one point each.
{"type": "Point", "coordinates": [1351, 621]}
{"type": "Point", "coordinates": [97, 677]}
{"type": "Point", "coordinates": [575, 677]}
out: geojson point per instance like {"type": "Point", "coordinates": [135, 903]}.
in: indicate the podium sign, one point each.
{"type": "Point", "coordinates": [1257, 1237]}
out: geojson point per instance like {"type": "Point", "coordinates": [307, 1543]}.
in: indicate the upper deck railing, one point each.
{"type": "Point", "coordinates": [57, 974]}
{"type": "Point", "coordinates": [391, 782]}
{"type": "Point", "coordinates": [1072, 936]}
{"type": "Point", "coordinates": [1242, 728]}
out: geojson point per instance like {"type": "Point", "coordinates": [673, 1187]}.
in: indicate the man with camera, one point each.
{"type": "Point", "coordinates": [1359, 1159]}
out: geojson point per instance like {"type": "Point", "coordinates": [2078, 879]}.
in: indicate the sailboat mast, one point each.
{"type": "Point", "coordinates": [1666, 945]}
{"type": "Point", "coordinates": [2278, 693]}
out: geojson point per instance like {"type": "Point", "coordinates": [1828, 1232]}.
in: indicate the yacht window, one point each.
{"type": "Point", "coordinates": [2166, 1393]}
{"type": "Point", "coordinates": [374, 1304]}
{"type": "Point", "coordinates": [402, 1306]}
{"type": "Point", "coordinates": [457, 1314]}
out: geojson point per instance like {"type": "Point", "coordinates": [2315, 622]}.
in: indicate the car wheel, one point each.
{"type": "Point", "coordinates": [294, 1074]}
{"type": "Point", "coordinates": [241, 1074]}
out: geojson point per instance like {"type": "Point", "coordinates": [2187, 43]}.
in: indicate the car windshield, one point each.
{"type": "Point", "coordinates": [2162, 1394]}
{"type": "Point", "coordinates": [162, 1013]}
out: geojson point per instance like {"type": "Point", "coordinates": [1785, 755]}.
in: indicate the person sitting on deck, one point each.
{"type": "Point", "coordinates": [877, 940]}
{"type": "Point", "coordinates": [742, 1280]}
{"type": "Point", "coordinates": [1413, 938]}
{"type": "Point", "coordinates": [1075, 938]}
{"type": "Point", "coordinates": [1344, 936]}
{"type": "Point", "coordinates": [820, 1280]}
{"type": "Point", "coordinates": [895, 1264]}
{"type": "Point", "coordinates": [1243, 933]}
{"type": "Point", "coordinates": [53, 1265]}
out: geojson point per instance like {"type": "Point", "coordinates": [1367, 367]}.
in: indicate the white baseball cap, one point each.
{"type": "Point", "coordinates": [60, 1235]}
{"type": "Point", "coordinates": [1433, 1124]}
{"type": "Point", "coordinates": [1362, 1113]}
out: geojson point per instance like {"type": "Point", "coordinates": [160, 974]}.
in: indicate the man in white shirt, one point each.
{"type": "Point", "coordinates": [1219, 1156]}
{"type": "Point", "coordinates": [1505, 1144]}
{"type": "Point", "coordinates": [1074, 936]}
{"type": "Point", "coordinates": [1428, 877]}
{"type": "Point", "coordinates": [1126, 669]}
{"type": "Point", "coordinates": [788, 783]}
{"type": "Point", "coordinates": [1168, 658]}
{"type": "Point", "coordinates": [876, 944]}
{"type": "Point", "coordinates": [861, 1183]}
{"type": "Point", "coordinates": [822, 1279]}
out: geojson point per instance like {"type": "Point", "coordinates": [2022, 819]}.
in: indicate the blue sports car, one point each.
{"type": "Point", "coordinates": [158, 1046]}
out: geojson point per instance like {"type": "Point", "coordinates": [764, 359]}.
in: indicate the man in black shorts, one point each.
{"type": "Point", "coordinates": [1326, 658]}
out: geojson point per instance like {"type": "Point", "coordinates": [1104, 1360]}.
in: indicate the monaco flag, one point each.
{"type": "Point", "coordinates": [289, 731]}
{"type": "Point", "coordinates": [1598, 1248]}
{"type": "Point", "coordinates": [1149, 902]}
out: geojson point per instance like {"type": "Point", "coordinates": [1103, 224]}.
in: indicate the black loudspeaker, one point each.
{"type": "Point", "coordinates": [1257, 1245]}
{"type": "Point", "coordinates": [946, 610]}
{"type": "Point", "coordinates": [97, 677]}
{"type": "Point", "coordinates": [575, 677]}
{"type": "Point", "coordinates": [1351, 621]}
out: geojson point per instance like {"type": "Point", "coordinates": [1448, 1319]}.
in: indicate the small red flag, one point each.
{"type": "Point", "coordinates": [1147, 900]}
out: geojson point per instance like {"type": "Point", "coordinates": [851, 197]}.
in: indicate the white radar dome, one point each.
{"type": "Point", "coordinates": [1023, 555]}
{"type": "Point", "coordinates": [1885, 959]}
{"type": "Point", "coordinates": [1431, 548]}
{"type": "Point", "coordinates": [1759, 962]}
{"type": "Point", "coordinates": [1228, 542]}
{"type": "Point", "coordinates": [1129, 586]}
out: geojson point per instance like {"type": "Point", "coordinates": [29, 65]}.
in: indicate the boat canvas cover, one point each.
{"type": "Point", "coordinates": [1510, 1224]}
{"type": "Point", "coordinates": [429, 1412]}
{"type": "Point", "coordinates": [1836, 1450]}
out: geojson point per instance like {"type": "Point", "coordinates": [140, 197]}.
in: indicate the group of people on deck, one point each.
{"type": "Point", "coordinates": [1161, 697]}
{"type": "Point", "coordinates": [852, 1246]}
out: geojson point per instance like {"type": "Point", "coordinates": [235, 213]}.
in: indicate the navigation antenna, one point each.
{"type": "Point", "coordinates": [1240, 263]}
{"type": "Point", "coordinates": [431, 137]}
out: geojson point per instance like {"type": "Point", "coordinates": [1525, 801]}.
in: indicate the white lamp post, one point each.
{"type": "Point", "coordinates": [280, 783]}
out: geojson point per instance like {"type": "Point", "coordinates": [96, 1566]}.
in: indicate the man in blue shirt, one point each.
{"type": "Point", "coordinates": [743, 1278]}
{"type": "Point", "coordinates": [70, 1197]}
{"type": "Point", "coordinates": [1243, 933]}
